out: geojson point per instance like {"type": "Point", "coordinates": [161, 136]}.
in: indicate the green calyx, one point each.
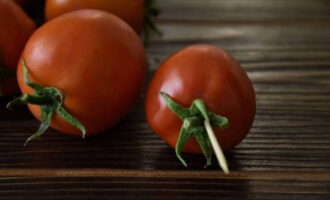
{"type": "Point", "coordinates": [193, 126]}
{"type": "Point", "coordinates": [151, 12]}
{"type": "Point", "coordinates": [50, 100]}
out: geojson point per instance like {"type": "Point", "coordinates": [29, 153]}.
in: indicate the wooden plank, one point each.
{"type": "Point", "coordinates": [259, 34]}
{"type": "Point", "coordinates": [285, 48]}
{"type": "Point", "coordinates": [119, 184]}
{"type": "Point", "coordinates": [244, 11]}
{"type": "Point", "coordinates": [11, 173]}
{"type": "Point", "coordinates": [291, 130]}
{"type": "Point", "coordinates": [257, 45]}
{"type": "Point", "coordinates": [278, 141]}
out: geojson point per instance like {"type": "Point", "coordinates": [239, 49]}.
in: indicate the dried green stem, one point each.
{"type": "Point", "coordinates": [197, 123]}
{"type": "Point", "coordinates": [50, 100]}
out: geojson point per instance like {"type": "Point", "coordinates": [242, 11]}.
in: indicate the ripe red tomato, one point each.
{"type": "Point", "coordinates": [131, 11]}
{"type": "Point", "coordinates": [16, 28]}
{"type": "Point", "coordinates": [99, 71]}
{"type": "Point", "coordinates": [207, 73]}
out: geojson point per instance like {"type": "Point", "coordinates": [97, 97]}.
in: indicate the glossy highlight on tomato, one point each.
{"type": "Point", "coordinates": [99, 71]}
{"type": "Point", "coordinates": [207, 73]}
{"type": "Point", "coordinates": [131, 11]}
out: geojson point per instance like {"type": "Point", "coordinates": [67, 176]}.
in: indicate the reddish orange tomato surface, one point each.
{"type": "Point", "coordinates": [95, 59]}
{"type": "Point", "coordinates": [16, 28]}
{"type": "Point", "coordinates": [131, 11]}
{"type": "Point", "coordinates": [208, 73]}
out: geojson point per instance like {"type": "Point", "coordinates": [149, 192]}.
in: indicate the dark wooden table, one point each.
{"type": "Point", "coordinates": [285, 48]}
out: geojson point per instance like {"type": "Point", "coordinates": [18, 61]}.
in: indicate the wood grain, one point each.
{"type": "Point", "coordinates": [136, 184]}
{"type": "Point", "coordinates": [285, 48]}
{"type": "Point", "coordinates": [257, 11]}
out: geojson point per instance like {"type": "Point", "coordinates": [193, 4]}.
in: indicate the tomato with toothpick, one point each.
{"type": "Point", "coordinates": [201, 99]}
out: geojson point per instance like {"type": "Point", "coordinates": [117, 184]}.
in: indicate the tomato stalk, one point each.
{"type": "Point", "coordinates": [50, 100]}
{"type": "Point", "coordinates": [197, 123]}
{"type": "Point", "coordinates": [151, 12]}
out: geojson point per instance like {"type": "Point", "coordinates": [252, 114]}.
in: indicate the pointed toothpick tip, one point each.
{"type": "Point", "coordinates": [216, 147]}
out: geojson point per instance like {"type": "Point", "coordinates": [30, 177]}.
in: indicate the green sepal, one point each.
{"type": "Point", "coordinates": [46, 116]}
{"type": "Point", "coordinates": [180, 111]}
{"type": "Point", "coordinates": [193, 125]}
{"type": "Point", "coordinates": [201, 107]}
{"type": "Point", "coordinates": [218, 120]}
{"type": "Point", "coordinates": [27, 80]}
{"type": "Point", "coordinates": [73, 121]}
{"type": "Point", "coordinates": [205, 144]}
{"type": "Point", "coordinates": [50, 100]}
{"type": "Point", "coordinates": [184, 135]}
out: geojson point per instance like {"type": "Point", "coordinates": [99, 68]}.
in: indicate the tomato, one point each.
{"type": "Point", "coordinates": [16, 28]}
{"type": "Point", "coordinates": [15, 31]}
{"type": "Point", "coordinates": [131, 11]}
{"type": "Point", "coordinates": [207, 73]}
{"type": "Point", "coordinates": [99, 71]}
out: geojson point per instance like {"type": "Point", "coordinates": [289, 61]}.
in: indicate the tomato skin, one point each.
{"type": "Point", "coordinates": [16, 28]}
{"type": "Point", "coordinates": [131, 11]}
{"type": "Point", "coordinates": [208, 73]}
{"type": "Point", "coordinates": [100, 71]}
